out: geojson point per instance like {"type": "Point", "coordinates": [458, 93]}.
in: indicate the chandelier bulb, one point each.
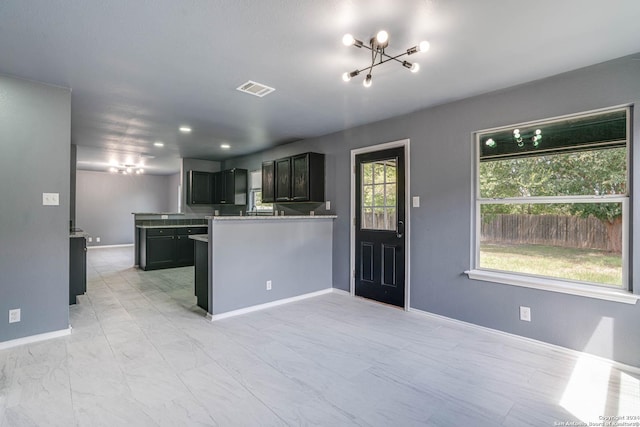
{"type": "Point", "coordinates": [367, 81]}
{"type": "Point", "coordinates": [382, 37]}
{"type": "Point", "coordinates": [346, 77]}
{"type": "Point", "coordinates": [348, 40]}
{"type": "Point", "coordinates": [424, 46]}
{"type": "Point", "coordinates": [415, 67]}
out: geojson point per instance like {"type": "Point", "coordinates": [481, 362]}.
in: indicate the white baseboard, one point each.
{"type": "Point", "coordinates": [214, 317]}
{"type": "Point", "coordinates": [568, 351]}
{"type": "Point", "coordinates": [126, 245]}
{"type": "Point", "coordinates": [340, 292]}
{"type": "Point", "coordinates": [35, 338]}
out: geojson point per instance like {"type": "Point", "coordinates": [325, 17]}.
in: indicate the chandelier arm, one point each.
{"type": "Point", "coordinates": [389, 58]}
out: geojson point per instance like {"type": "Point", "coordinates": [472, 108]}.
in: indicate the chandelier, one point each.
{"type": "Point", "coordinates": [127, 169]}
{"type": "Point", "coordinates": [377, 46]}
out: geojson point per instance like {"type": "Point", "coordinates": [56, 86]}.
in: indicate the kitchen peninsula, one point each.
{"type": "Point", "coordinates": [256, 261]}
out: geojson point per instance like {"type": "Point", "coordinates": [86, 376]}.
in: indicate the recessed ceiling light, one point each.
{"type": "Point", "coordinates": [185, 129]}
{"type": "Point", "coordinates": [158, 144]}
{"type": "Point", "coordinates": [225, 146]}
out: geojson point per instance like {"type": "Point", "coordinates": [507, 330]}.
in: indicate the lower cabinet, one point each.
{"type": "Point", "coordinates": [167, 247]}
{"type": "Point", "coordinates": [77, 268]}
{"type": "Point", "coordinates": [202, 274]}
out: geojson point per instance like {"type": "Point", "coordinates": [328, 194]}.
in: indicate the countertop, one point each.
{"type": "Point", "coordinates": [173, 226]}
{"type": "Point", "coordinates": [269, 217]}
{"type": "Point", "coordinates": [78, 234]}
{"type": "Point", "coordinates": [200, 237]}
{"type": "Point", "coordinates": [157, 213]}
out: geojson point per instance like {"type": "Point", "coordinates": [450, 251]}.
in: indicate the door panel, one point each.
{"type": "Point", "coordinates": [380, 217]}
{"type": "Point", "coordinates": [366, 262]}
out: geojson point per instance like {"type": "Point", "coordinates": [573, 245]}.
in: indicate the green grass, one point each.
{"type": "Point", "coordinates": [585, 265]}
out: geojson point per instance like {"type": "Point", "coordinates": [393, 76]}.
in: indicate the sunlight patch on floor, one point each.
{"type": "Point", "coordinates": [629, 403]}
{"type": "Point", "coordinates": [586, 393]}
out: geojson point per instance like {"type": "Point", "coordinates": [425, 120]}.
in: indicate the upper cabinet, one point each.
{"type": "Point", "coordinates": [307, 177]}
{"type": "Point", "coordinates": [225, 187]}
{"type": "Point", "coordinates": [297, 178]}
{"type": "Point", "coordinates": [200, 188]}
{"type": "Point", "coordinates": [283, 180]}
{"type": "Point", "coordinates": [268, 182]}
{"type": "Point", "coordinates": [230, 187]}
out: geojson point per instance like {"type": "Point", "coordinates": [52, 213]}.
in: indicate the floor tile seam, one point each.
{"type": "Point", "coordinates": [315, 393]}
{"type": "Point", "coordinates": [248, 390]}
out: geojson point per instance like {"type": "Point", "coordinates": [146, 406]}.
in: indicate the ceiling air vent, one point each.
{"type": "Point", "coordinates": [253, 88]}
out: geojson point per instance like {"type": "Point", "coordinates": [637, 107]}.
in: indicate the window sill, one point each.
{"type": "Point", "coordinates": [553, 286]}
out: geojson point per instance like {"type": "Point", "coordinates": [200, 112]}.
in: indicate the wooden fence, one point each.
{"type": "Point", "coordinates": [553, 230]}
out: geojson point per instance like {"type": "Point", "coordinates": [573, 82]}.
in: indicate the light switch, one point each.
{"type": "Point", "coordinates": [50, 199]}
{"type": "Point", "coordinates": [416, 201]}
{"type": "Point", "coordinates": [327, 205]}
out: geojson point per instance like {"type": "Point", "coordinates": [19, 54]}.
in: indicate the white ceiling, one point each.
{"type": "Point", "coordinates": [138, 69]}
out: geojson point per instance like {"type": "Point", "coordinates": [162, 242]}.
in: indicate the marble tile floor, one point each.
{"type": "Point", "coordinates": [143, 354]}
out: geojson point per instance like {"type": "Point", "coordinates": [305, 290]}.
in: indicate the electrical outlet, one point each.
{"type": "Point", "coordinates": [90, 239]}
{"type": "Point", "coordinates": [97, 240]}
{"type": "Point", "coordinates": [327, 205]}
{"type": "Point", "coordinates": [525, 313]}
{"type": "Point", "coordinates": [14, 315]}
{"type": "Point", "coordinates": [268, 285]}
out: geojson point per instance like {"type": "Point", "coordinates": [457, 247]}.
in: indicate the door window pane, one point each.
{"type": "Point", "coordinates": [379, 195]}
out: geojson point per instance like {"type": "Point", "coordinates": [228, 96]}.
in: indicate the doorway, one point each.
{"type": "Point", "coordinates": [379, 232]}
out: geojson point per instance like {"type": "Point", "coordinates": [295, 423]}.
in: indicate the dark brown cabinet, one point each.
{"type": "Point", "coordinates": [268, 182]}
{"type": "Point", "coordinates": [283, 180]}
{"type": "Point", "coordinates": [230, 187]}
{"type": "Point", "coordinates": [201, 274]}
{"type": "Point", "coordinates": [77, 268]}
{"type": "Point", "coordinates": [226, 187]}
{"type": "Point", "coordinates": [167, 247]}
{"type": "Point", "coordinates": [307, 177]}
{"type": "Point", "coordinates": [299, 178]}
{"type": "Point", "coordinates": [200, 188]}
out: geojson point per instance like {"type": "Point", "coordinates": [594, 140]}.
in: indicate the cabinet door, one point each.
{"type": "Point", "coordinates": [228, 186]}
{"type": "Point", "coordinates": [268, 182]}
{"type": "Point", "coordinates": [161, 251]}
{"type": "Point", "coordinates": [283, 180]}
{"type": "Point", "coordinates": [300, 177]}
{"type": "Point", "coordinates": [184, 250]}
{"type": "Point", "coordinates": [217, 188]}
{"type": "Point", "coordinates": [200, 188]}
{"type": "Point", "coordinates": [240, 186]}
{"type": "Point", "coordinates": [77, 268]}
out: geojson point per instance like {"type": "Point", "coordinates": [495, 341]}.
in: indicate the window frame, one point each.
{"type": "Point", "coordinates": [594, 290]}
{"type": "Point", "coordinates": [255, 186]}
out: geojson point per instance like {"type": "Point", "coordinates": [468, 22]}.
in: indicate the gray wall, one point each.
{"type": "Point", "coordinates": [196, 165]}
{"type": "Point", "coordinates": [242, 259]}
{"type": "Point", "coordinates": [35, 123]}
{"type": "Point", "coordinates": [441, 173]}
{"type": "Point", "coordinates": [174, 183]}
{"type": "Point", "coordinates": [105, 201]}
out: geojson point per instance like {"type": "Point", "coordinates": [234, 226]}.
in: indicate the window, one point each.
{"type": "Point", "coordinates": [255, 194]}
{"type": "Point", "coordinates": [379, 195]}
{"type": "Point", "coordinates": [552, 201]}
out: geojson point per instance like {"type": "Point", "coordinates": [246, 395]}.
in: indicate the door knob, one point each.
{"type": "Point", "coordinates": [400, 231]}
